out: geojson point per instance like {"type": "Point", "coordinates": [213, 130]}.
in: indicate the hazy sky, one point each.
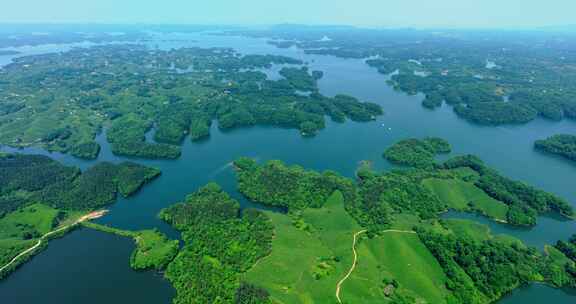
{"type": "Point", "coordinates": [453, 13]}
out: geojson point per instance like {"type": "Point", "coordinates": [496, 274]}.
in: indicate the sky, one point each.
{"type": "Point", "coordinates": [370, 13]}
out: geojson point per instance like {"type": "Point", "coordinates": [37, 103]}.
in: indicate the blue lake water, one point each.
{"type": "Point", "coordinates": [339, 147]}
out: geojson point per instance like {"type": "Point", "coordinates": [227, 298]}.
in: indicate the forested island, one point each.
{"type": "Point", "coordinates": [489, 77]}
{"type": "Point", "coordinates": [61, 101]}
{"type": "Point", "coordinates": [417, 153]}
{"type": "Point", "coordinates": [39, 195]}
{"type": "Point", "coordinates": [563, 145]}
{"type": "Point", "coordinates": [404, 251]}
{"type": "Point", "coordinates": [315, 237]}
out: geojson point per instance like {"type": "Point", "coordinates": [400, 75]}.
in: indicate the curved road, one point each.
{"type": "Point", "coordinates": [339, 285]}
{"type": "Point", "coordinates": [87, 217]}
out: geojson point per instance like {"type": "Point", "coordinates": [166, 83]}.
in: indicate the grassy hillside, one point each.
{"type": "Point", "coordinates": [313, 251]}
{"type": "Point", "coordinates": [302, 251]}
{"type": "Point", "coordinates": [467, 228]}
{"type": "Point", "coordinates": [395, 256]}
{"type": "Point", "coordinates": [461, 195]}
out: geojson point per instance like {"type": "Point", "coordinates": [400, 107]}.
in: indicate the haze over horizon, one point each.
{"type": "Point", "coordinates": [370, 13]}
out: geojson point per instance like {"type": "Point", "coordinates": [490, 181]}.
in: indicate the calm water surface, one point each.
{"type": "Point", "coordinates": [339, 147]}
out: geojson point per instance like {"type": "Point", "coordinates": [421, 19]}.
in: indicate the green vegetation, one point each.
{"type": "Point", "coordinates": [561, 270]}
{"type": "Point", "coordinates": [29, 222]}
{"type": "Point", "coordinates": [482, 271]}
{"type": "Point", "coordinates": [467, 229]}
{"type": "Point", "coordinates": [97, 186]}
{"type": "Point", "coordinates": [292, 187]}
{"type": "Point", "coordinates": [153, 249]}
{"type": "Point", "coordinates": [524, 201]}
{"type": "Point", "coordinates": [457, 261]}
{"type": "Point", "coordinates": [496, 113]}
{"type": "Point", "coordinates": [40, 195]}
{"type": "Point", "coordinates": [489, 78]}
{"type": "Point", "coordinates": [22, 229]}
{"type": "Point", "coordinates": [127, 136]}
{"type": "Point", "coordinates": [383, 196]}
{"type": "Point", "coordinates": [86, 150]}
{"type": "Point", "coordinates": [399, 264]}
{"type": "Point", "coordinates": [299, 79]}
{"type": "Point", "coordinates": [219, 245]}
{"type": "Point", "coordinates": [563, 260]}
{"type": "Point", "coordinates": [407, 255]}
{"type": "Point", "coordinates": [462, 183]}
{"type": "Point", "coordinates": [465, 196]}
{"type": "Point", "coordinates": [311, 249]}
{"type": "Point", "coordinates": [562, 144]}
{"type": "Point", "coordinates": [417, 153]}
{"type": "Point", "coordinates": [65, 99]}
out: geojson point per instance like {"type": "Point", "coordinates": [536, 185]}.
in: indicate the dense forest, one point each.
{"type": "Point", "coordinates": [562, 144]}
{"type": "Point", "coordinates": [131, 90]}
{"type": "Point", "coordinates": [482, 271]}
{"type": "Point", "coordinates": [289, 187]}
{"type": "Point", "coordinates": [417, 153]}
{"type": "Point", "coordinates": [220, 243]}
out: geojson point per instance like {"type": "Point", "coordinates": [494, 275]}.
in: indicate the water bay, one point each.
{"type": "Point", "coordinates": [339, 147]}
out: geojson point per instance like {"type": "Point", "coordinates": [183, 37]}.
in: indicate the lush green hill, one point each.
{"type": "Point", "coordinates": [464, 196]}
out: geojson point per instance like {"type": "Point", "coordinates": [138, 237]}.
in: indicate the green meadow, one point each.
{"type": "Point", "coordinates": [310, 254]}
{"type": "Point", "coordinates": [467, 228]}
{"type": "Point", "coordinates": [312, 251]}
{"type": "Point", "coordinates": [461, 195]}
{"type": "Point", "coordinates": [396, 256]}
{"type": "Point", "coordinates": [29, 222]}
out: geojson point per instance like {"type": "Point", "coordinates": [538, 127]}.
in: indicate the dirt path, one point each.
{"type": "Point", "coordinates": [87, 217]}
{"type": "Point", "coordinates": [339, 285]}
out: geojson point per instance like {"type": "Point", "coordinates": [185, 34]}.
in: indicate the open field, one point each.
{"type": "Point", "coordinates": [461, 195]}
{"type": "Point", "coordinates": [29, 222]}
{"type": "Point", "coordinates": [467, 228]}
{"type": "Point", "coordinates": [313, 253]}
{"type": "Point", "coordinates": [400, 256]}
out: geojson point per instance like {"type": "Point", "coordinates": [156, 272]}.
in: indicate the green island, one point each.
{"type": "Point", "coordinates": [379, 239]}
{"type": "Point", "coordinates": [563, 145]}
{"type": "Point", "coordinates": [417, 153]}
{"type": "Point", "coordinates": [332, 239]}
{"type": "Point", "coordinates": [61, 101]}
{"type": "Point", "coordinates": [489, 77]}
{"type": "Point", "coordinates": [307, 236]}
{"type": "Point", "coordinates": [41, 199]}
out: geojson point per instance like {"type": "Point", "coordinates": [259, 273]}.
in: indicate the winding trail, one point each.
{"type": "Point", "coordinates": [87, 217]}
{"type": "Point", "coordinates": [339, 285]}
